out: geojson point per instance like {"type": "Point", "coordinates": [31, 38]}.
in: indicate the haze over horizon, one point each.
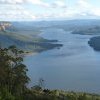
{"type": "Point", "coordinates": [33, 10]}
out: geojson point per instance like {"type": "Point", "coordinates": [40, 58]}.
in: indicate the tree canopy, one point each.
{"type": "Point", "coordinates": [13, 73]}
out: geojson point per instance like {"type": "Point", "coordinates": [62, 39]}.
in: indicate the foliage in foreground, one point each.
{"type": "Point", "coordinates": [13, 77]}
{"type": "Point", "coordinates": [14, 80]}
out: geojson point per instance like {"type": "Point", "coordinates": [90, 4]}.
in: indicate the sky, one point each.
{"type": "Point", "coordinates": [33, 10]}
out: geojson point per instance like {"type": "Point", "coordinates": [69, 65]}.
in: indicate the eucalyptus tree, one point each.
{"type": "Point", "coordinates": [13, 73]}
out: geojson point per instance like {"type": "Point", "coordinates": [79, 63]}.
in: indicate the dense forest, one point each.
{"type": "Point", "coordinates": [14, 80]}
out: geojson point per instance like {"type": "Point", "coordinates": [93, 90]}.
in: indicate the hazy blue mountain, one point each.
{"type": "Point", "coordinates": [25, 36]}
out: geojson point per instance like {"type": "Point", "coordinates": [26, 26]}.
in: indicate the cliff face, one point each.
{"type": "Point", "coordinates": [4, 25]}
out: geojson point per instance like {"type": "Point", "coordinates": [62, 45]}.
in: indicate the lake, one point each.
{"type": "Point", "coordinates": [75, 66]}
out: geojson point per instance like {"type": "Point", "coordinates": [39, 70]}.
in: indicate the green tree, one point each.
{"type": "Point", "coordinates": [13, 73]}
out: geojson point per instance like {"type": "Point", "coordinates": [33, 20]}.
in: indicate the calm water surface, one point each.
{"type": "Point", "coordinates": [75, 66]}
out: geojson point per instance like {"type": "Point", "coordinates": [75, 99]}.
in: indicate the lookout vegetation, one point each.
{"type": "Point", "coordinates": [14, 80]}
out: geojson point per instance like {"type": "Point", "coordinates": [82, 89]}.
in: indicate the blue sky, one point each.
{"type": "Point", "coordinates": [49, 9]}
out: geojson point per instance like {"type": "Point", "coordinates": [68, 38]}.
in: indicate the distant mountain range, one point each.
{"type": "Point", "coordinates": [24, 37]}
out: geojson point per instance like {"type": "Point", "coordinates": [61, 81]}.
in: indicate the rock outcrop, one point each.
{"type": "Point", "coordinates": [4, 25]}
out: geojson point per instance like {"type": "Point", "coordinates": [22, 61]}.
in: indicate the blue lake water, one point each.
{"type": "Point", "coordinates": [75, 66]}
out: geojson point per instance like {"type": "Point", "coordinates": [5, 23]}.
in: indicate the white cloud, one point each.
{"type": "Point", "coordinates": [55, 4]}
{"type": "Point", "coordinates": [36, 2]}
{"type": "Point", "coordinates": [83, 3]}
{"type": "Point", "coordinates": [88, 9]}
{"type": "Point", "coordinates": [59, 4]}
{"type": "Point", "coordinates": [11, 1]}
{"type": "Point", "coordinates": [12, 12]}
{"type": "Point", "coordinates": [82, 9]}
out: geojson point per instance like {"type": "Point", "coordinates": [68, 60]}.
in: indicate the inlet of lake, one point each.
{"type": "Point", "coordinates": [75, 66]}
